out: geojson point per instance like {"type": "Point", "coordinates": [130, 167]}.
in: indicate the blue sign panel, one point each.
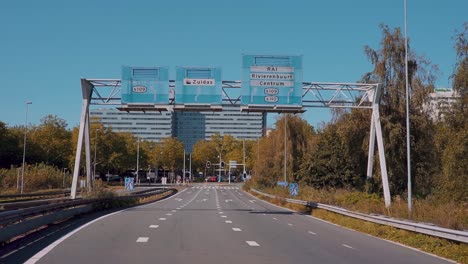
{"type": "Point", "coordinates": [198, 85]}
{"type": "Point", "coordinates": [145, 85]}
{"type": "Point", "coordinates": [282, 183]}
{"type": "Point", "coordinates": [293, 189]}
{"type": "Point", "coordinates": [271, 80]}
{"type": "Point", "coordinates": [129, 183]}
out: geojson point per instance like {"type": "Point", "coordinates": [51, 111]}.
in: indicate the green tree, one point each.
{"type": "Point", "coordinates": [389, 70]}
{"type": "Point", "coordinates": [52, 140]}
{"type": "Point", "coordinates": [452, 133]}
{"type": "Point", "coordinates": [10, 151]}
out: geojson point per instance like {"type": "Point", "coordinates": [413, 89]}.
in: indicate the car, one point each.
{"type": "Point", "coordinates": [211, 179]}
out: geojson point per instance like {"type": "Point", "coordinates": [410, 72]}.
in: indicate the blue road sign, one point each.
{"type": "Point", "coordinates": [271, 80]}
{"type": "Point", "coordinates": [293, 189]}
{"type": "Point", "coordinates": [146, 85]}
{"type": "Point", "coordinates": [196, 85]}
{"type": "Point", "coordinates": [282, 183]}
{"type": "Point", "coordinates": [129, 183]}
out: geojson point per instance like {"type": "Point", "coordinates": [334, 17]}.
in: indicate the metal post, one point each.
{"type": "Point", "coordinates": [190, 166]}
{"type": "Point", "coordinates": [86, 89]}
{"type": "Point", "coordinates": [95, 153]}
{"type": "Point", "coordinates": [408, 150]}
{"type": "Point", "coordinates": [138, 161]}
{"type": "Point", "coordinates": [370, 157]}
{"type": "Point", "coordinates": [383, 165]}
{"type": "Point", "coordinates": [219, 180]}
{"type": "Point", "coordinates": [183, 176]}
{"type": "Point", "coordinates": [243, 148]}
{"type": "Point", "coordinates": [285, 158]}
{"type": "Point", "coordinates": [24, 146]}
{"type": "Point", "coordinates": [88, 154]}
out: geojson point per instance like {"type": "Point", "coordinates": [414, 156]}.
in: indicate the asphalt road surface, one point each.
{"type": "Point", "coordinates": [208, 223]}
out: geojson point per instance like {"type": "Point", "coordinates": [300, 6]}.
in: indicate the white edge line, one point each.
{"type": "Point", "coordinates": [47, 249]}
{"type": "Point", "coordinates": [393, 242]}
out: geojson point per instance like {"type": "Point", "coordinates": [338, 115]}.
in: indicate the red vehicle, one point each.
{"type": "Point", "coordinates": [211, 179]}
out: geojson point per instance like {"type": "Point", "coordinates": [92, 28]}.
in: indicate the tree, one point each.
{"type": "Point", "coordinates": [10, 151]}
{"type": "Point", "coordinates": [269, 156]}
{"type": "Point", "coordinates": [51, 141]}
{"type": "Point", "coordinates": [452, 133]}
{"type": "Point", "coordinates": [389, 70]}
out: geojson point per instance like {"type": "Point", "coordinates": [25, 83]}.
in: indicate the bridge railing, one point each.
{"type": "Point", "coordinates": [423, 228]}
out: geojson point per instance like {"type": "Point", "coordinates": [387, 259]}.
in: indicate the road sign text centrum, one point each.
{"type": "Point", "coordinates": [271, 80]}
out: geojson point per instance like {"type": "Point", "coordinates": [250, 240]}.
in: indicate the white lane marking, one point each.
{"type": "Point", "coordinates": [252, 243]}
{"type": "Point", "coordinates": [290, 224]}
{"type": "Point", "coordinates": [162, 219]}
{"type": "Point", "coordinates": [169, 214]}
{"type": "Point", "coordinates": [252, 201]}
{"type": "Point", "coordinates": [223, 216]}
{"type": "Point", "coordinates": [178, 208]}
{"type": "Point", "coordinates": [344, 245]}
{"type": "Point", "coordinates": [220, 213]}
{"type": "Point", "coordinates": [274, 218]}
{"type": "Point", "coordinates": [153, 226]}
{"type": "Point", "coordinates": [228, 222]}
{"type": "Point", "coordinates": [142, 239]}
{"type": "Point", "coordinates": [312, 233]}
{"type": "Point", "coordinates": [173, 211]}
{"type": "Point", "coordinates": [6, 255]}
{"type": "Point", "coordinates": [236, 229]}
{"type": "Point", "coordinates": [46, 250]}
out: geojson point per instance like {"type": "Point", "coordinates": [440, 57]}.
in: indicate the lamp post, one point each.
{"type": "Point", "coordinates": [24, 145]}
{"type": "Point", "coordinates": [408, 150]}
{"type": "Point", "coordinates": [138, 160]}
{"type": "Point", "coordinates": [95, 154]}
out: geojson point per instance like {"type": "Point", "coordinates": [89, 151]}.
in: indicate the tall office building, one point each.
{"type": "Point", "coordinates": [440, 101]}
{"type": "Point", "coordinates": [191, 127]}
{"type": "Point", "coordinates": [188, 127]}
{"type": "Point", "coordinates": [152, 126]}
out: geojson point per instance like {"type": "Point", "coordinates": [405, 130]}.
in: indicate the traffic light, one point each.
{"type": "Point", "coordinates": [222, 164]}
{"type": "Point", "coordinates": [208, 164]}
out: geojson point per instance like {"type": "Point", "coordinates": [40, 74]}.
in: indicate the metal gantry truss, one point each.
{"type": "Point", "coordinates": [107, 92]}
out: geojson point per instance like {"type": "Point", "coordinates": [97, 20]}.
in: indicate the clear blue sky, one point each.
{"type": "Point", "coordinates": [47, 46]}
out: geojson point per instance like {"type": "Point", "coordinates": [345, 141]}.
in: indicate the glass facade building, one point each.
{"type": "Point", "coordinates": [189, 127]}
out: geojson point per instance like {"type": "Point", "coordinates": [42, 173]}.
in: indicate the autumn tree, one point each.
{"type": "Point", "coordinates": [389, 70]}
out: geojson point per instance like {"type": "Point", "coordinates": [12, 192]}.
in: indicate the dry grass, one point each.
{"type": "Point", "coordinates": [441, 247]}
{"type": "Point", "coordinates": [430, 210]}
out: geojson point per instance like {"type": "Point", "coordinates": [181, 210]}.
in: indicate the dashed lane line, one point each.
{"type": "Point", "coordinates": [346, 246]}
{"type": "Point", "coordinates": [142, 239]}
{"type": "Point", "coordinates": [252, 243]}
{"type": "Point", "coordinates": [236, 229]}
{"type": "Point", "coordinates": [153, 226]}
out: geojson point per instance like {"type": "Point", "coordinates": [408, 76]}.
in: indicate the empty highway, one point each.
{"type": "Point", "coordinates": [208, 223]}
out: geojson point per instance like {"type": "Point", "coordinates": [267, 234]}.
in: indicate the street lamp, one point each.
{"type": "Point", "coordinates": [95, 153]}
{"type": "Point", "coordinates": [138, 160]}
{"type": "Point", "coordinates": [24, 145]}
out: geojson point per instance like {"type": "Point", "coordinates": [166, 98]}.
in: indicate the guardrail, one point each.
{"type": "Point", "coordinates": [28, 195]}
{"type": "Point", "coordinates": [428, 229]}
{"type": "Point", "coordinates": [17, 222]}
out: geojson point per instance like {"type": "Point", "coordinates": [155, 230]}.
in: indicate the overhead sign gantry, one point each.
{"type": "Point", "coordinates": [269, 84]}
